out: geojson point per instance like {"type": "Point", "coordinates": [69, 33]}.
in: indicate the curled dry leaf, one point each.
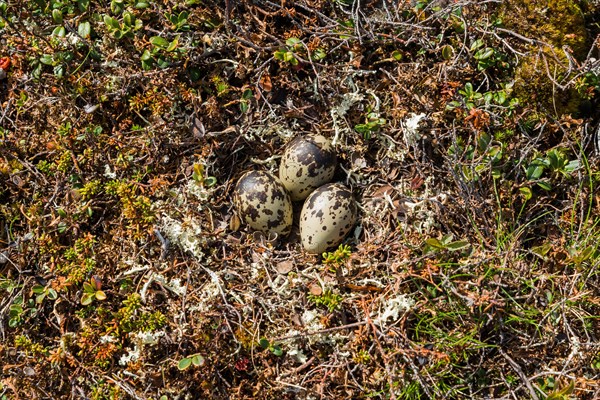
{"type": "Point", "coordinates": [284, 267]}
{"type": "Point", "coordinates": [4, 63]}
{"type": "Point", "coordinates": [315, 289]}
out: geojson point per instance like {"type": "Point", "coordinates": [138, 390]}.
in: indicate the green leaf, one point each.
{"type": "Point", "coordinates": [318, 54]}
{"type": "Point", "coordinates": [162, 62]}
{"type": "Point", "coordinates": [469, 89]}
{"type": "Point", "coordinates": [100, 295]}
{"type": "Point", "coordinates": [476, 44]}
{"type": "Point", "coordinates": [397, 55]}
{"type": "Point", "coordinates": [452, 105]}
{"type": "Point", "coordinates": [496, 173]}
{"type": "Point", "coordinates": [584, 255]}
{"type": "Point", "coordinates": [447, 52]}
{"type": "Point", "coordinates": [276, 350]}
{"type": "Point", "coordinates": [433, 242]}
{"type": "Point", "coordinates": [159, 41]}
{"type": "Point", "coordinates": [83, 5]}
{"type": "Point", "coordinates": [279, 55]}
{"type": "Point", "coordinates": [59, 31]}
{"type": "Point", "coordinates": [541, 250]}
{"type": "Point", "coordinates": [173, 44]}
{"type": "Point", "coordinates": [116, 6]}
{"type": "Point", "coordinates": [500, 97]}
{"type": "Point", "coordinates": [59, 71]}
{"type": "Point", "coordinates": [183, 16]}
{"type": "Point", "coordinates": [562, 393]}
{"type": "Point", "coordinates": [195, 74]}
{"type": "Point", "coordinates": [84, 29]}
{"type": "Point", "coordinates": [264, 343]}
{"type": "Point", "coordinates": [86, 299]}
{"type": "Point", "coordinates": [572, 166]}
{"type": "Point", "coordinates": [210, 181]}
{"type": "Point", "coordinates": [545, 185]}
{"type": "Point", "coordinates": [288, 56]}
{"type": "Point", "coordinates": [146, 55]}
{"type": "Point", "coordinates": [198, 360]}
{"type": "Point", "coordinates": [128, 19]}
{"type": "Point", "coordinates": [52, 295]}
{"type": "Point", "coordinates": [46, 59]}
{"type": "Point", "coordinates": [291, 42]}
{"type": "Point", "coordinates": [88, 288]}
{"type": "Point", "coordinates": [111, 22]}
{"type": "Point", "coordinates": [458, 245]}
{"type": "Point", "coordinates": [39, 299]}
{"type": "Point", "coordinates": [534, 171]}
{"type": "Point", "coordinates": [37, 289]}
{"type": "Point", "coordinates": [184, 363]}
{"type": "Point", "coordinates": [57, 16]}
{"type": "Point", "coordinates": [484, 54]}
{"type": "Point", "coordinates": [526, 192]}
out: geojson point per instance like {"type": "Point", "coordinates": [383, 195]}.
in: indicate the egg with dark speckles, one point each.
{"type": "Point", "coordinates": [263, 203]}
{"type": "Point", "coordinates": [307, 163]}
{"type": "Point", "coordinates": [328, 215]}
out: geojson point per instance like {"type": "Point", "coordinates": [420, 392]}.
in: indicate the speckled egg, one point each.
{"type": "Point", "coordinates": [327, 216]}
{"type": "Point", "coordinates": [263, 203]}
{"type": "Point", "coordinates": [307, 163]}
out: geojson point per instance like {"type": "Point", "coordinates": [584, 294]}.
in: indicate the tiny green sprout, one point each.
{"type": "Point", "coordinates": [328, 299]}
{"type": "Point", "coordinates": [245, 100]}
{"type": "Point", "coordinates": [92, 290]}
{"type": "Point", "coordinates": [288, 53]}
{"type": "Point", "coordinates": [179, 22]}
{"type": "Point", "coordinates": [199, 177]}
{"type": "Point", "coordinates": [446, 243]}
{"type": "Point", "coordinates": [195, 359]}
{"type": "Point", "coordinates": [341, 254]}
{"type": "Point", "coordinates": [273, 348]}
{"type": "Point", "coordinates": [373, 123]}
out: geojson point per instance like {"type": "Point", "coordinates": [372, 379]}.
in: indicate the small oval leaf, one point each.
{"type": "Point", "coordinates": [184, 363]}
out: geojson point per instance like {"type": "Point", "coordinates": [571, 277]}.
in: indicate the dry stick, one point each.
{"type": "Point", "coordinates": [383, 355]}
{"type": "Point", "coordinates": [519, 372]}
{"type": "Point", "coordinates": [300, 368]}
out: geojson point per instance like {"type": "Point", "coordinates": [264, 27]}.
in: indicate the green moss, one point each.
{"type": "Point", "coordinates": [534, 87]}
{"type": "Point", "coordinates": [556, 22]}
{"type": "Point", "coordinates": [554, 25]}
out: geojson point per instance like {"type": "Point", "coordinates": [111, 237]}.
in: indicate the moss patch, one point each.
{"type": "Point", "coordinates": [553, 25]}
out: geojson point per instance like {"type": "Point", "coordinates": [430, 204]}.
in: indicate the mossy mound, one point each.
{"type": "Point", "coordinates": [534, 87]}
{"type": "Point", "coordinates": [554, 25]}
{"type": "Point", "coordinates": [557, 22]}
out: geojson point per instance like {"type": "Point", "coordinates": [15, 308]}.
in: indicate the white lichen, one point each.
{"type": "Point", "coordinates": [392, 308]}
{"type": "Point", "coordinates": [132, 356]}
{"type": "Point", "coordinates": [140, 340]}
{"type": "Point", "coordinates": [207, 294]}
{"type": "Point", "coordinates": [410, 129]}
{"type": "Point", "coordinates": [198, 191]}
{"type": "Point", "coordinates": [186, 234]}
{"type": "Point", "coordinates": [109, 173]}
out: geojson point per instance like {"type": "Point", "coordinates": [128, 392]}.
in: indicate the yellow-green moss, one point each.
{"type": "Point", "coordinates": [552, 24]}
{"type": "Point", "coordinates": [556, 22]}
{"type": "Point", "coordinates": [534, 87]}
